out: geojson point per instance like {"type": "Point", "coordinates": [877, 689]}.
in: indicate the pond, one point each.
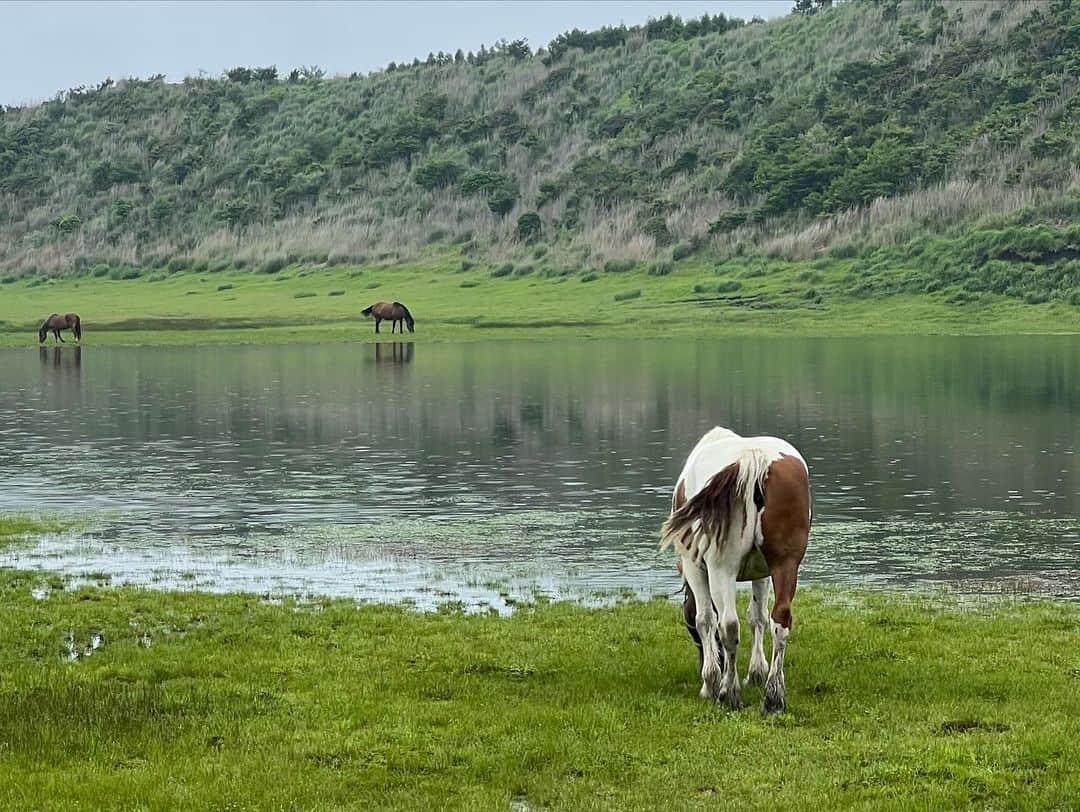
{"type": "Point", "coordinates": [488, 474]}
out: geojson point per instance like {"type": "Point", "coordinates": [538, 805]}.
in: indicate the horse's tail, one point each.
{"type": "Point", "coordinates": [367, 311]}
{"type": "Point", "coordinates": [711, 514]}
{"type": "Point", "coordinates": [77, 327]}
{"type": "Point", "coordinates": [408, 316]}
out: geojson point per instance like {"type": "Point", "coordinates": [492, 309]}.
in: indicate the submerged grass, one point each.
{"type": "Point", "coordinates": [698, 298]}
{"type": "Point", "coordinates": [134, 698]}
{"type": "Point", "coordinates": [14, 529]}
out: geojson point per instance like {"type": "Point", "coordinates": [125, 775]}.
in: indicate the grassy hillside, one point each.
{"type": "Point", "coordinates": [863, 128]}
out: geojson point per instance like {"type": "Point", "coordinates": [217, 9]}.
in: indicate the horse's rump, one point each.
{"type": "Point", "coordinates": [712, 514]}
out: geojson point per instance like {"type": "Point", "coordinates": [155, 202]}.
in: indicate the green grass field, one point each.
{"type": "Point", "coordinates": [698, 299]}
{"type": "Point", "coordinates": [129, 698]}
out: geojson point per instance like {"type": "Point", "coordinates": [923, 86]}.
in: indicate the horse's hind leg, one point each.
{"type": "Point", "coordinates": [722, 587]}
{"type": "Point", "coordinates": [705, 623]}
{"type": "Point", "coordinates": [756, 616]}
{"type": "Point", "coordinates": [689, 610]}
{"type": "Point", "coordinates": [785, 577]}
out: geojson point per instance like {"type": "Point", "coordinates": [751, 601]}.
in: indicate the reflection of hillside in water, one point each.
{"type": "Point", "coordinates": [904, 426]}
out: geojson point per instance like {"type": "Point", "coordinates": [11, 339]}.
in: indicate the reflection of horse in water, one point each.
{"type": "Point", "coordinates": [55, 323]}
{"type": "Point", "coordinates": [394, 312]}
{"type": "Point", "coordinates": [740, 512]}
{"type": "Point", "coordinates": [397, 353]}
{"type": "Point", "coordinates": [60, 358]}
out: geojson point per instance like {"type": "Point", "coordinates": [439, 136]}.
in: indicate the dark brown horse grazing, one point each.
{"type": "Point", "coordinates": [740, 512]}
{"type": "Point", "coordinates": [56, 323]}
{"type": "Point", "coordinates": [394, 312]}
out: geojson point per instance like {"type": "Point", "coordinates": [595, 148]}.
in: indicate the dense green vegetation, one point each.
{"type": "Point", "coordinates": [893, 127]}
{"type": "Point", "coordinates": [133, 698]}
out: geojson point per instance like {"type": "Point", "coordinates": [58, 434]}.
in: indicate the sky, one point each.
{"type": "Point", "coordinates": [54, 46]}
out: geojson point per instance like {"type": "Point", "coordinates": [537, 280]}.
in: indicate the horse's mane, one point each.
{"type": "Point", "coordinates": [408, 315]}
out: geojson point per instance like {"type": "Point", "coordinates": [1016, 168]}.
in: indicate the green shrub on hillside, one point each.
{"type": "Point", "coordinates": [661, 268]}
{"type": "Point", "coordinates": [625, 134]}
{"type": "Point", "coordinates": [529, 227]}
{"type": "Point", "coordinates": [124, 273]}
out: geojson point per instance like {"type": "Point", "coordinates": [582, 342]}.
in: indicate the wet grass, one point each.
{"type": "Point", "coordinates": [698, 298]}
{"type": "Point", "coordinates": [15, 529]}
{"type": "Point", "coordinates": [202, 701]}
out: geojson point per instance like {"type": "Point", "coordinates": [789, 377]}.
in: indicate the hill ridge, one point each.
{"type": "Point", "coordinates": [861, 127]}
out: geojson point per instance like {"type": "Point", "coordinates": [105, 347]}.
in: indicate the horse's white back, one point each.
{"type": "Point", "coordinates": [721, 447]}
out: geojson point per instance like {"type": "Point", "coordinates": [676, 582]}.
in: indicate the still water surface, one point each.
{"type": "Point", "coordinates": [489, 473]}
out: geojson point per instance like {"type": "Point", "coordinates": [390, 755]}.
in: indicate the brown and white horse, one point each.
{"type": "Point", "coordinates": [395, 312]}
{"type": "Point", "coordinates": [56, 323]}
{"type": "Point", "coordinates": [741, 512]}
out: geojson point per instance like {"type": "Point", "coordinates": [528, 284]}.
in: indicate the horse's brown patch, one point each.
{"type": "Point", "coordinates": [785, 528]}
{"type": "Point", "coordinates": [785, 520]}
{"type": "Point", "coordinates": [679, 499]}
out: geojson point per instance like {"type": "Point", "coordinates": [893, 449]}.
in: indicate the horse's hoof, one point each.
{"type": "Point", "coordinates": [774, 700]}
{"type": "Point", "coordinates": [773, 707]}
{"type": "Point", "coordinates": [712, 686]}
{"type": "Point", "coordinates": [732, 700]}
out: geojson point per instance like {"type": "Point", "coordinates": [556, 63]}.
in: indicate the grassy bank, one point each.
{"type": "Point", "coordinates": [696, 298]}
{"type": "Point", "coordinates": [132, 698]}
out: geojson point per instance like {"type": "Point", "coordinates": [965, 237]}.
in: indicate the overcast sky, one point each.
{"type": "Point", "coordinates": [52, 46]}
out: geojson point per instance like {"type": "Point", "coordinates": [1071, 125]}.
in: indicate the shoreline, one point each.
{"type": "Point", "coordinates": [323, 305]}
{"type": "Point", "coordinates": [323, 334]}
